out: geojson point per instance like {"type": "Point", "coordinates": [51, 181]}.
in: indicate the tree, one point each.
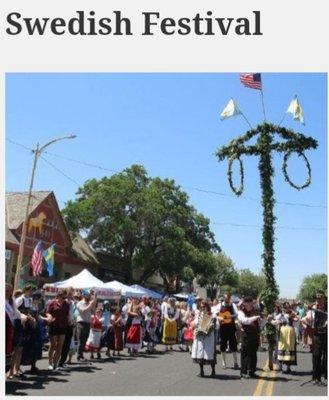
{"type": "Point", "coordinates": [222, 275]}
{"type": "Point", "coordinates": [289, 142]}
{"type": "Point", "coordinates": [250, 284]}
{"type": "Point", "coordinates": [310, 285]}
{"type": "Point", "coordinates": [146, 222]}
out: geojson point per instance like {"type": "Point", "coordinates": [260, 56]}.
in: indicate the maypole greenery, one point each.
{"type": "Point", "coordinates": [290, 142]}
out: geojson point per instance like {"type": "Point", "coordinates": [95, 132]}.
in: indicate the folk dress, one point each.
{"type": "Point", "coordinates": [94, 340]}
{"type": "Point", "coordinates": [204, 346]}
{"type": "Point", "coordinates": [117, 326]}
{"type": "Point", "coordinates": [287, 352]}
{"type": "Point", "coordinates": [170, 327]}
{"type": "Point", "coordinates": [134, 334]}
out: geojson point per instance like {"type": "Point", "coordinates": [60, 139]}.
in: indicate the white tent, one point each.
{"type": "Point", "coordinates": [126, 290]}
{"type": "Point", "coordinates": [148, 292]}
{"type": "Point", "coordinates": [84, 280]}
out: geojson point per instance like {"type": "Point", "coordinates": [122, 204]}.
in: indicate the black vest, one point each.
{"type": "Point", "coordinates": [254, 326]}
{"type": "Point", "coordinates": [320, 319]}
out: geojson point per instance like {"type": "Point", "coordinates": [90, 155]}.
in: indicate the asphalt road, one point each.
{"type": "Point", "coordinates": [172, 373]}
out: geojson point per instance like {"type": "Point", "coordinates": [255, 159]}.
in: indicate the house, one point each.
{"type": "Point", "coordinates": [45, 222]}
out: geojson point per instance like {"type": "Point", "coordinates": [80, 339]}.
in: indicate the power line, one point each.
{"type": "Point", "coordinates": [82, 162]}
{"type": "Point", "coordinates": [192, 188]}
{"type": "Point", "coordinates": [184, 187]}
{"type": "Point", "coordinates": [277, 227]}
{"type": "Point", "coordinates": [19, 144]}
{"type": "Point", "coordinates": [60, 171]}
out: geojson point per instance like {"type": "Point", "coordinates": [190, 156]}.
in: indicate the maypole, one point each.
{"type": "Point", "coordinates": [290, 142]}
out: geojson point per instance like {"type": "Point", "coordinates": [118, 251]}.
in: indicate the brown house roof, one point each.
{"type": "Point", "coordinates": [9, 236]}
{"type": "Point", "coordinates": [15, 213]}
{"type": "Point", "coordinates": [16, 206]}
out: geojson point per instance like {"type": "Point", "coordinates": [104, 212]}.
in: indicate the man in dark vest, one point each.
{"type": "Point", "coordinates": [320, 339]}
{"type": "Point", "coordinates": [249, 319]}
{"type": "Point", "coordinates": [227, 314]}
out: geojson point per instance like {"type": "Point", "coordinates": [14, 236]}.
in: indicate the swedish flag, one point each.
{"type": "Point", "coordinates": [49, 256]}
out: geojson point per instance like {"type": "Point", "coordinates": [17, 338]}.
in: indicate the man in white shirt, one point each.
{"type": "Point", "coordinates": [249, 318]}
{"type": "Point", "coordinates": [85, 307]}
{"type": "Point", "coordinates": [24, 302]}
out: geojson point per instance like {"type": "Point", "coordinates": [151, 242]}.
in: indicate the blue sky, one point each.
{"type": "Point", "coordinates": [170, 124]}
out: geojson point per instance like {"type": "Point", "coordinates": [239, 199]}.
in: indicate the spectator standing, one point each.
{"type": "Point", "coordinates": [69, 329]}
{"type": "Point", "coordinates": [85, 308]}
{"type": "Point", "coordinates": [58, 318]}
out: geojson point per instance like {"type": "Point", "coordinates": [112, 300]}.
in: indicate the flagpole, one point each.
{"type": "Point", "coordinates": [245, 119]}
{"type": "Point", "coordinates": [263, 104]}
{"type": "Point", "coordinates": [282, 119]}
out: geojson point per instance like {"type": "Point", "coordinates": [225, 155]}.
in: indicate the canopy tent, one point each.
{"type": "Point", "coordinates": [126, 290]}
{"type": "Point", "coordinates": [83, 280]}
{"type": "Point", "coordinates": [147, 292]}
{"type": "Point", "coordinates": [181, 295]}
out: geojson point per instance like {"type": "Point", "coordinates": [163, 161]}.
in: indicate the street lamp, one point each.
{"type": "Point", "coordinates": [37, 152]}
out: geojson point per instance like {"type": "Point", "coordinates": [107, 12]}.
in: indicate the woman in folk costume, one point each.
{"type": "Point", "coordinates": [204, 343]}
{"type": "Point", "coordinates": [134, 333]}
{"type": "Point", "coordinates": [94, 340]}
{"type": "Point", "coordinates": [287, 352]}
{"type": "Point", "coordinates": [171, 315]}
{"type": "Point", "coordinates": [117, 326]}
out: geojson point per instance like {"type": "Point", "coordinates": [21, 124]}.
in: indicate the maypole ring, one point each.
{"type": "Point", "coordinates": [285, 173]}
{"type": "Point", "coordinates": [238, 191]}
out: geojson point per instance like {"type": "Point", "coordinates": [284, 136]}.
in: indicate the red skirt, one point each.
{"type": "Point", "coordinates": [189, 334]}
{"type": "Point", "coordinates": [134, 334]}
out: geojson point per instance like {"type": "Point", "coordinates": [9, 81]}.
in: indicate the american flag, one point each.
{"type": "Point", "coordinates": [253, 81]}
{"type": "Point", "coordinates": [37, 258]}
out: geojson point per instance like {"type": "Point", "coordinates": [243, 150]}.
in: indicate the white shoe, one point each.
{"type": "Point", "coordinates": [50, 368]}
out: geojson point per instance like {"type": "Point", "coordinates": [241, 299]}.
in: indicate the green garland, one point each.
{"type": "Point", "coordinates": [239, 191]}
{"type": "Point", "coordinates": [293, 142]}
{"type": "Point", "coordinates": [285, 173]}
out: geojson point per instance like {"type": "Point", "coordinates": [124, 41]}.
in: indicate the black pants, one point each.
{"type": "Point", "coordinates": [249, 346]}
{"type": "Point", "coordinates": [66, 344]}
{"type": "Point", "coordinates": [227, 335]}
{"type": "Point", "coordinates": [271, 352]}
{"type": "Point", "coordinates": [320, 346]}
{"type": "Point", "coordinates": [83, 329]}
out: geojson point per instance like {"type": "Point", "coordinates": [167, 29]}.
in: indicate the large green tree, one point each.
{"type": "Point", "coordinates": [311, 284]}
{"type": "Point", "coordinates": [250, 284]}
{"type": "Point", "coordinates": [146, 222]}
{"type": "Point", "coordinates": [222, 275]}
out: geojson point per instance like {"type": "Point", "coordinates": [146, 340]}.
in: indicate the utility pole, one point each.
{"type": "Point", "coordinates": [37, 152]}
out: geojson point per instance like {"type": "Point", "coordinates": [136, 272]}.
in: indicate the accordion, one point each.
{"type": "Point", "coordinates": [205, 324]}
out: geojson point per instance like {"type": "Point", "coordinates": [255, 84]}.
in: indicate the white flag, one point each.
{"type": "Point", "coordinates": [296, 110]}
{"type": "Point", "coordinates": [230, 110]}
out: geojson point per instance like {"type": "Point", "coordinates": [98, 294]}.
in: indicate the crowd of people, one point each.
{"type": "Point", "coordinates": [77, 324]}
